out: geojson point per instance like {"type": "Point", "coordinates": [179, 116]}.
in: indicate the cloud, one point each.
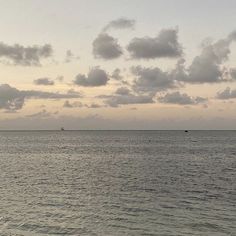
{"type": "Point", "coordinates": [181, 99]}
{"type": "Point", "coordinates": [205, 68]}
{"type": "Point", "coordinates": [44, 81]}
{"type": "Point", "coordinates": [123, 96]}
{"type": "Point", "coordinates": [67, 104]}
{"type": "Point", "coordinates": [152, 79]}
{"type": "Point", "coordinates": [94, 105]}
{"type": "Point", "coordinates": [232, 36]}
{"type": "Point", "coordinates": [77, 104]}
{"type": "Point", "coordinates": [121, 23]}
{"type": "Point", "coordinates": [41, 114]}
{"type": "Point", "coordinates": [24, 56]}
{"type": "Point", "coordinates": [164, 45]}
{"type": "Point", "coordinates": [116, 74]}
{"type": "Point", "coordinates": [96, 77]}
{"type": "Point", "coordinates": [233, 73]}
{"type": "Point", "coordinates": [226, 94]}
{"type": "Point", "coordinates": [70, 56]}
{"type": "Point", "coordinates": [122, 91]}
{"type": "Point", "coordinates": [60, 78]}
{"type": "Point", "coordinates": [106, 47]}
{"type": "Point", "coordinates": [12, 99]}
{"type": "Point", "coordinates": [208, 66]}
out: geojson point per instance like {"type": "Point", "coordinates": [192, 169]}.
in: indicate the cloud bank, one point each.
{"type": "Point", "coordinates": [12, 99]}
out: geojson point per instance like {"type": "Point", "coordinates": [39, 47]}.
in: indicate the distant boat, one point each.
{"type": "Point", "coordinates": [62, 129]}
{"type": "Point", "coordinates": [186, 131]}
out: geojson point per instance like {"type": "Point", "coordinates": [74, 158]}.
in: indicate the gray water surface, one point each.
{"type": "Point", "coordinates": [118, 183]}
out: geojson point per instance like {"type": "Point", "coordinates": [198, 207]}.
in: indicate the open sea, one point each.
{"type": "Point", "coordinates": [163, 183]}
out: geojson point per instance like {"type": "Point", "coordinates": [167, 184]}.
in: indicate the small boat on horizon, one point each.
{"type": "Point", "coordinates": [62, 129]}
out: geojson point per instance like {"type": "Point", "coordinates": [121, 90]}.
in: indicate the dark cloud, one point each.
{"type": "Point", "coordinates": [12, 99]}
{"type": "Point", "coordinates": [164, 45]}
{"type": "Point", "coordinates": [106, 47]}
{"type": "Point", "coordinates": [152, 79]}
{"type": "Point", "coordinates": [44, 81]}
{"type": "Point", "coordinates": [121, 23]}
{"type": "Point", "coordinates": [96, 77]}
{"type": "Point", "coordinates": [181, 99]}
{"type": "Point", "coordinates": [24, 56]}
{"type": "Point", "coordinates": [226, 94]}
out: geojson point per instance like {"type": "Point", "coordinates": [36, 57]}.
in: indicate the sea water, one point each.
{"type": "Point", "coordinates": [118, 183]}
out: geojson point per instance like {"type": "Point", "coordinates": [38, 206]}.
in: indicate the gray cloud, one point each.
{"type": "Point", "coordinates": [41, 114]}
{"type": "Point", "coordinates": [208, 66]}
{"type": "Point", "coordinates": [226, 94]}
{"type": "Point", "coordinates": [96, 77]}
{"type": "Point", "coordinates": [70, 56]}
{"type": "Point", "coordinates": [181, 99]}
{"type": "Point", "coordinates": [164, 45]}
{"type": "Point", "coordinates": [60, 78]}
{"type": "Point", "coordinates": [121, 23]}
{"type": "Point", "coordinates": [152, 79]}
{"type": "Point", "coordinates": [44, 81]}
{"type": "Point", "coordinates": [68, 104]}
{"type": "Point", "coordinates": [116, 74]}
{"type": "Point", "coordinates": [106, 47]}
{"type": "Point", "coordinates": [232, 36]}
{"type": "Point", "coordinates": [123, 96]}
{"type": "Point", "coordinates": [94, 105]}
{"type": "Point", "coordinates": [122, 91]}
{"type": "Point", "coordinates": [233, 73]}
{"type": "Point", "coordinates": [24, 56]}
{"type": "Point", "coordinates": [12, 99]}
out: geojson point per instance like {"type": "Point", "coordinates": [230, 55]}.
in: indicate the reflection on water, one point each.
{"type": "Point", "coordinates": [118, 183]}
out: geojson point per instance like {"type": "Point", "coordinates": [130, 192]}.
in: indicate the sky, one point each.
{"type": "Point", "coordinates": [127, 64]}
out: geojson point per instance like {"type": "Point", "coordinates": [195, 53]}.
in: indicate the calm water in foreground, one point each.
{"type": "Point", "coordinates": [118, 183]}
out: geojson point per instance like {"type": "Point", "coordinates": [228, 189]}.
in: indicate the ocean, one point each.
{"type": "Point", "coordinates": [118, 183]}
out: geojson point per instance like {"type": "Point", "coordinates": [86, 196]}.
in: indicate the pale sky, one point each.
{"type": "Point", "coordinates": [127, 64]}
